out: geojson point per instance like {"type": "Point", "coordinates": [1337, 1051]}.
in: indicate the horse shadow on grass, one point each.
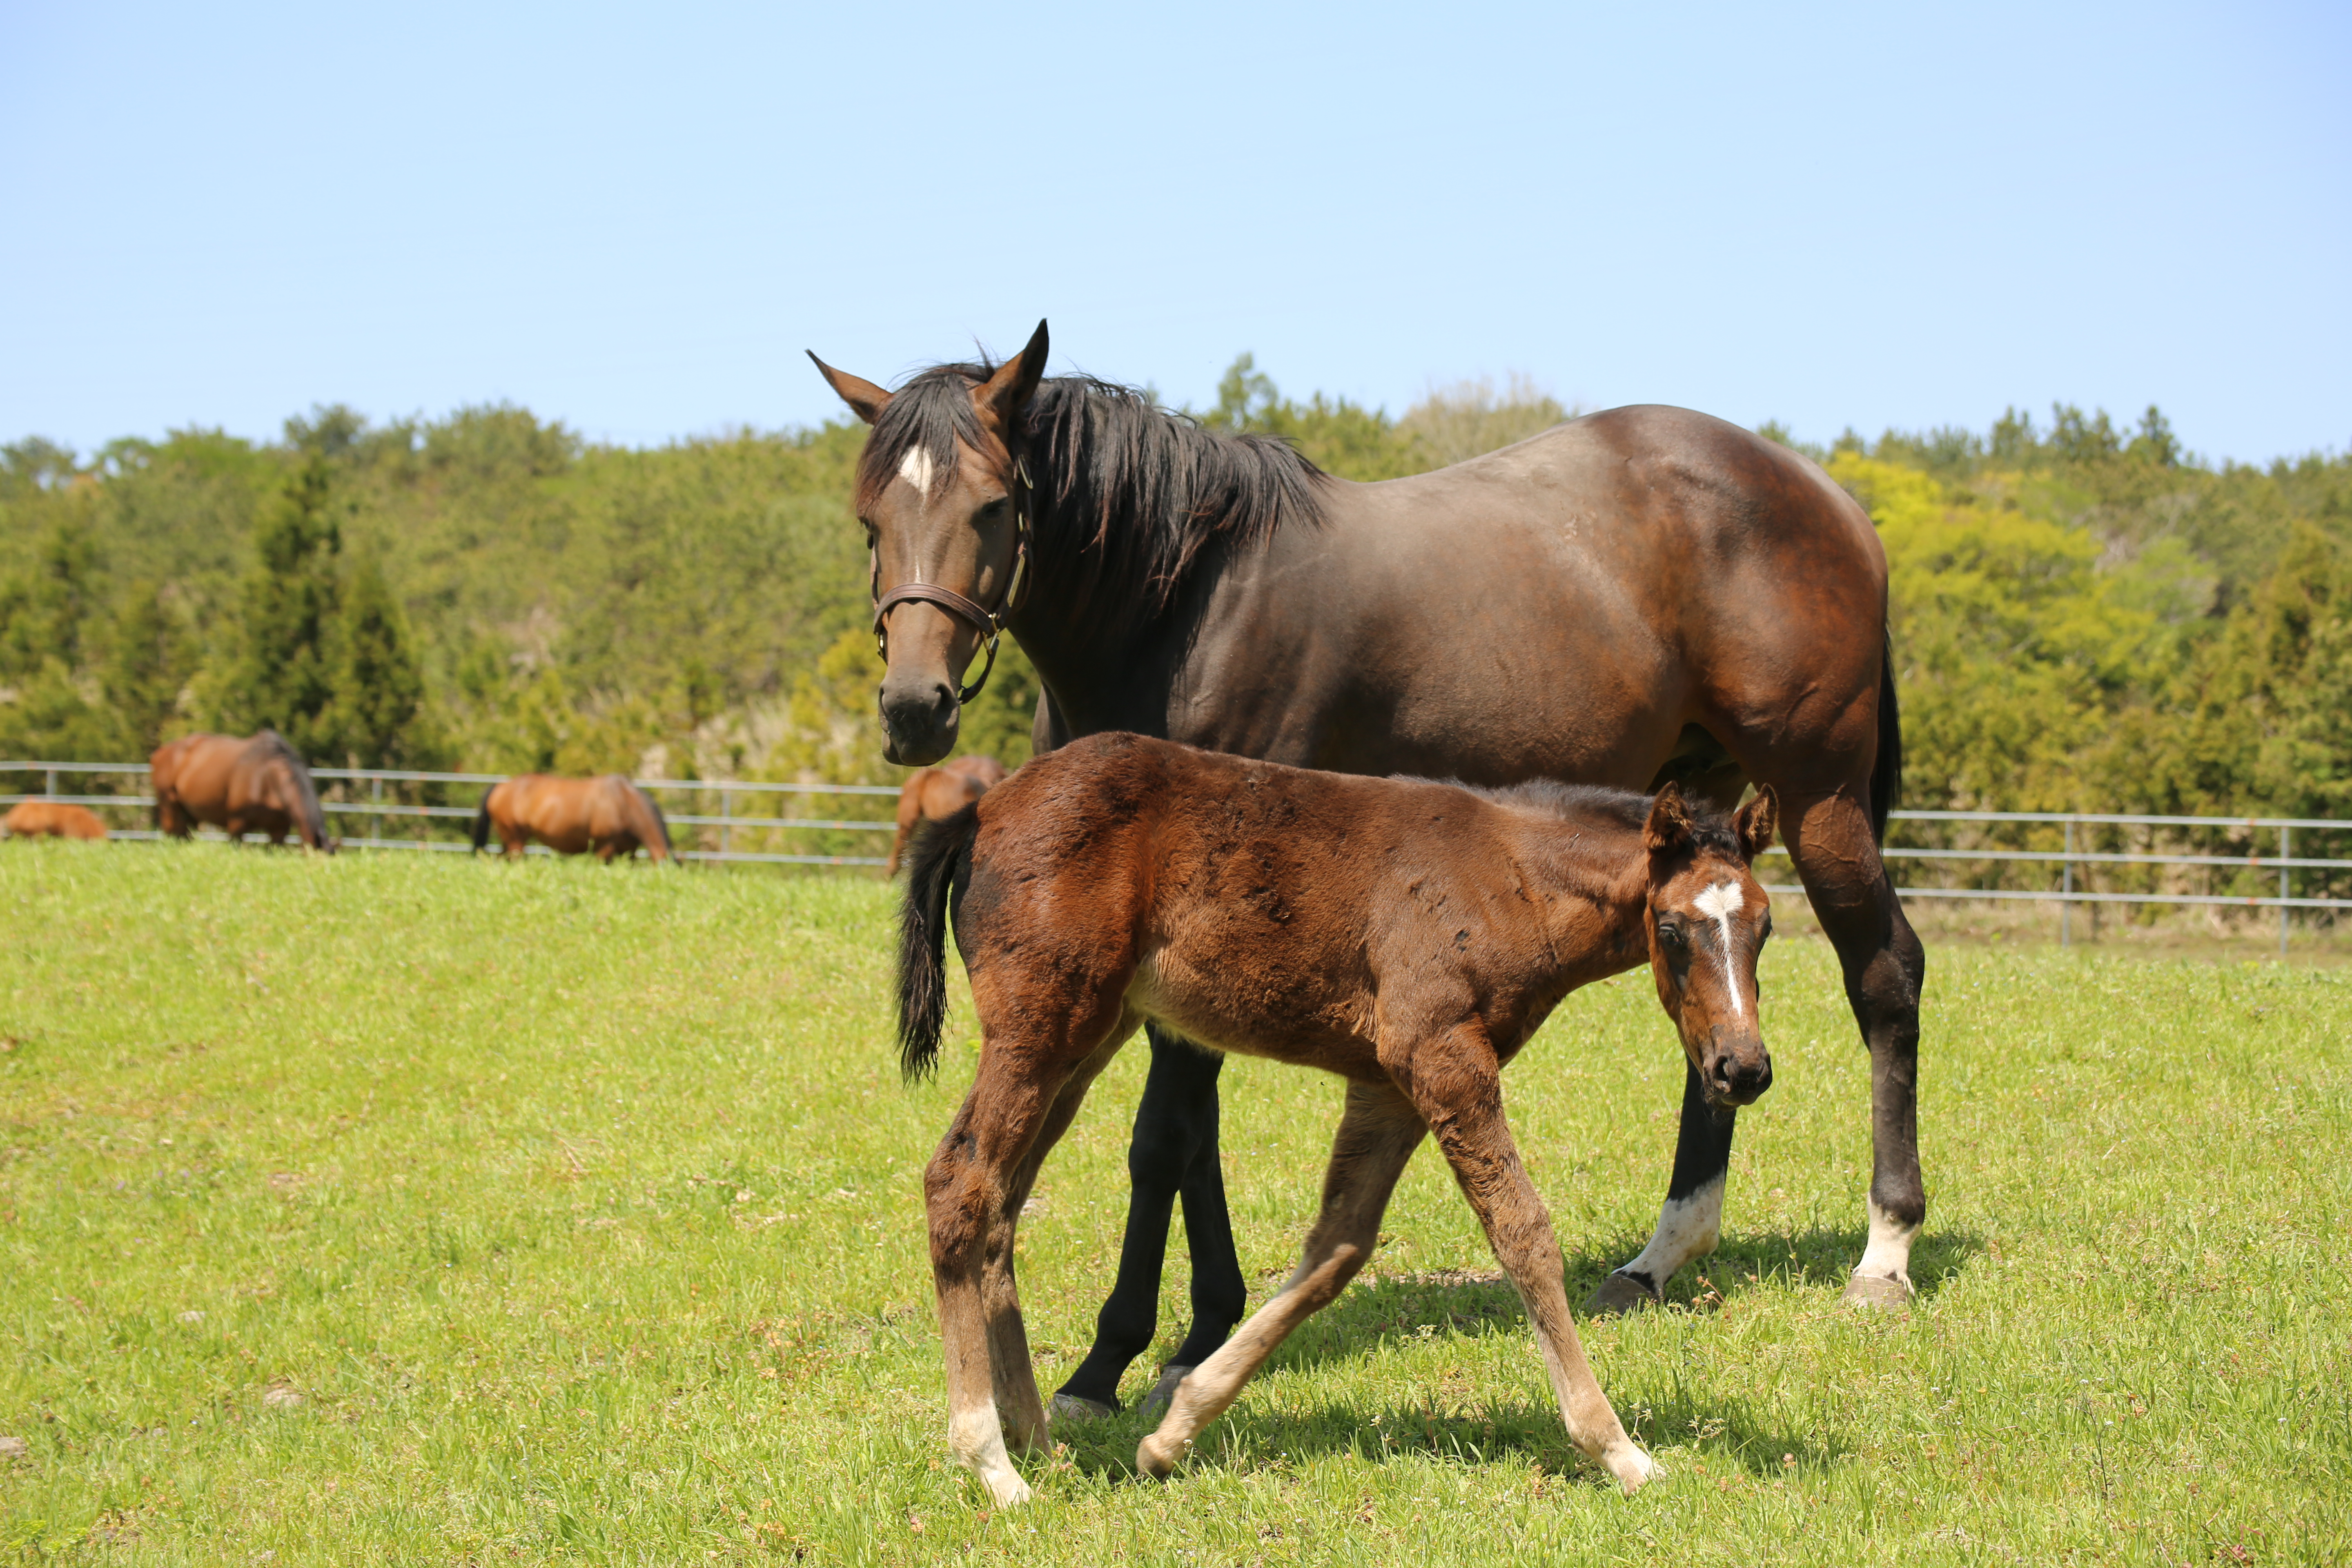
{"type": "Point", "coordinates": [1448, 1421]}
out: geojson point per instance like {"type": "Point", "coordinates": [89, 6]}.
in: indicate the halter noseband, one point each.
{"type": "Point", "coordinates": [989, 623]}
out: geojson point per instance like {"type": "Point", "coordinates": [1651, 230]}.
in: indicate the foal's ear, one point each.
{"type": "Point", "coordinates": [1669, 827]}
{"type": "Point", "coordinates": [865, 399]}
{"type": "Point", "coordinates": [1756, 822]}
{"type": "Point", "coordinates": [1002, 396]}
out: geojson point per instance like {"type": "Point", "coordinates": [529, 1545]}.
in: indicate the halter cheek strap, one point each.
{"type": "Point", "coordinates": [989, 623]}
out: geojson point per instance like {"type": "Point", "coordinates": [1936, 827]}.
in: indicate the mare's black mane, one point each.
{"type": "Point", "coordinates": [1128, 493]}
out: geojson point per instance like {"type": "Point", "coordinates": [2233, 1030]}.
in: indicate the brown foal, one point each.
{"type": "Point", "coordinates": [1405, 934]}
{"type": "Point", "coordinates": [934, 795]}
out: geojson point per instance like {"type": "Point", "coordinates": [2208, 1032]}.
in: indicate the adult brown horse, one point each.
{"type": "Point", "coordinates": [1407, 935]}
{"type": "Point", "coordinates": [240, 784]}
{"type": "Point", "coordinates": [606, 814]}
{"type": "Point", "coordinates": [934, 795]}
{"type": "Point", "coordinates": [1639, 596]}
{"type": "Point", "coordinates": [49, 820]}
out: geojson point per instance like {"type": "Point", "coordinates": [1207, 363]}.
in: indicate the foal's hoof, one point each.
{"type": "Point", "coordinates": [1157, 1459]}
{"type": "Point", "coordinates": [1073, 1407]}
{"type": "Point", "coordinates": [1619, 1294]}
{"type": "Point", "coordinates": [1634, 1469]}
{"type": "Point", "coordinates": [1885, 1291]}
{"type": "Point", "coordinates": [1163, 1393]}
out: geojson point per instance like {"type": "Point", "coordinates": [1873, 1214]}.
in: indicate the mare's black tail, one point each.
{"type": "Point", "coordinates": [937, 868]}
{"type": "Point", "coordinates": [1886, 773]}
{"type": "Point", "coordinates": [482, 821]}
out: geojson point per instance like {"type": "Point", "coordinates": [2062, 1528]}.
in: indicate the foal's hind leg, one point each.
{"type": "Point", "coordinates": [1461, 1096]}
{"type": "Point", "coordinates": [1837, 856]}
{"type": "Point", "coordinates": [1377, 1133]}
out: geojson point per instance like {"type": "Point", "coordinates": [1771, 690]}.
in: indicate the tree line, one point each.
{"type": "Point", "coordinates": [2086, 615]}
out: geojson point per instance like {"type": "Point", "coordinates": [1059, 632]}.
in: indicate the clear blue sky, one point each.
{"type": "Point", "coordinates": [635, 220]}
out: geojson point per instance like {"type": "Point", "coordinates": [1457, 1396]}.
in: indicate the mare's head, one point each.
{"type": "Point", "coordinates": [1708, 918]}
{"type": "Point", "coordinates": [941, 493]}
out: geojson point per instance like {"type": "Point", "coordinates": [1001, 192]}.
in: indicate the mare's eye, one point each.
{"type": "Point", "coordinates": [994, 511]}
{"type": "Point", "coordinates": [1671, 936]}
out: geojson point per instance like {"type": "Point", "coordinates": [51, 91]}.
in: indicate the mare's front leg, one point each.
{"type": "Point", "coordinates": [1173, 1152]}
{"type": "Point", "coordinates": [1691, 1218]}
{"type": "Point", "coordinates": [1455, 1084]}
{"type": "Point", "coordinates": [1377, 1133]}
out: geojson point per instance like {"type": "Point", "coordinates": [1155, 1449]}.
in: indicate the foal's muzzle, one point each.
{"type": "Point", "coordinates": [1737, 1077]}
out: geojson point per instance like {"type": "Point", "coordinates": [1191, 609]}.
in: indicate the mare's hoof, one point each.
{"type": "Point", "coordinates": [1881, 1290]}
{"type": "Point", "coordinates": [1619, 1294]}
{"type": "Point", "coordinates": [1157, 1459]}
{"type": "Point", "coordinates": [1072, 1407]}
{"type": "Point", "coordinates": [1163, 1393]}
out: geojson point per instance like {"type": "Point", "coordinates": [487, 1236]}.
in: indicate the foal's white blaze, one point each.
{"type": "Point", "coordinates": [916, 470]}
{"type": "Point", "coordinates": [1720, 903]}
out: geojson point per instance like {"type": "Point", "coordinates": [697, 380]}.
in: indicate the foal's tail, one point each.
{"type": "Point", "coordinates": [1886, 773]}
{"type": "Point", "coordinates": [482, 821]}
{"type": "Point", "coordinates": [940, 866]}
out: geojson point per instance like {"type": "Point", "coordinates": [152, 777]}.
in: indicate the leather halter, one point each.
{"type": "Point", "coordinates": [989, 623]}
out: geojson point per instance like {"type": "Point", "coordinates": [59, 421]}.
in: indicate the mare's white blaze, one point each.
{"type": "Point", "coordinates": [1687, 1228]}
{"type": "Point", "coordinates": [916, 470]}
{"type": "Point", "coordinates": [1720, 903]}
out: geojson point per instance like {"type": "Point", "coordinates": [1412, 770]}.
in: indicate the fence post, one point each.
{"type": "Point", "coordinates": [377, 793]}
{"type": "Point", "coordinates": [725, 822]}
{"type": "Point", "coordinates": [53, 781]}
{"type": "Point", "coordinates": [2066, 887]}
{"type": "Point", "coordinates": [2283, 853]}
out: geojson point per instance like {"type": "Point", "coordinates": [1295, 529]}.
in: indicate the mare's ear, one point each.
{"type": "Point", "coordinates": [1756, 822]}
{"type": "Point", "coordinates": [1669, 827]}
{"type": "Point", "coordinates": [1003, 396]}
{"type": "Point", "coordinates": [865, 399]}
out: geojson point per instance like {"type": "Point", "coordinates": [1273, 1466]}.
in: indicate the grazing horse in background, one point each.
{"type": "Point", "coordinates": [241, 785]}
{"type": "Point", "coordinates": [48, 819]}
{"type": "Point", "coordinates": [1640, 596]}
{"type": "Point", "coordinates": [1408, 935]}
{"type": "Point", "coordinates": [606, 814]}
{"type": "Point", "coordinates": [934, 795]}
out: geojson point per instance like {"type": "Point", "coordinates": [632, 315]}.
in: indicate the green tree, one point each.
{"type": "Point", "coordinates": [148, 662]}
{"type": "Point", "coordinates": [284, 677]}
{"type": "Point", "coordinates": [377, 716]}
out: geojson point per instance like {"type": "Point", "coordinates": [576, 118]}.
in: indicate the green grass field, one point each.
{"type": "Point", "coordinates": [408, 1208]}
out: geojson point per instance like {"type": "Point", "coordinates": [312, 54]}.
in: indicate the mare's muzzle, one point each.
{"type": "Point", "coordinates": [920, 716]}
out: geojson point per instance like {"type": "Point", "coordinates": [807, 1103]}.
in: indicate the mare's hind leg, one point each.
{"type": "Point", "coordinates": [1377, 1133]}
{"type": "Point", "coordinates": [1462, 1099]}
{"type": "Point", "coordinates": [1837, 856]}
{"type": "Point", "coordinates": [1692, 1218]}
{"type": "Point", "coordinates": [1173, 1152]}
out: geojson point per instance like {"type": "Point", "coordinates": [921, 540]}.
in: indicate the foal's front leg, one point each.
{"type": "Point", "coordinates": [1466, 1109]}
{"type": "Point", "coordinates": [1377, 1133]}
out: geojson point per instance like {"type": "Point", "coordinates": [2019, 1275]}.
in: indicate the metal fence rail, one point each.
{"type": "Point", "coordinates": [2008, 856]}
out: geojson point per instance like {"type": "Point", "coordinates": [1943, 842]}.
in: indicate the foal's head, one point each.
{"type": "Point", "coordinates": [942, 497]}
{"type": "Point", "coordinates": [1708, 920]}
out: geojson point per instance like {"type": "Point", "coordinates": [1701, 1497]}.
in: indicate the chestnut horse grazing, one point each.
{"type": "Point", "coordinates": [242, 784]}
{"type": "Point", "coordinates": [48, 819]}
{"type": "Point", "coordinates": [934, 795]}
{"type": "Point", "coordinates": [606, 814]}
{"type": "Point", "coordinates": [1406, 935]}
{"type": "Point", "coordinates": [1640, 596]}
